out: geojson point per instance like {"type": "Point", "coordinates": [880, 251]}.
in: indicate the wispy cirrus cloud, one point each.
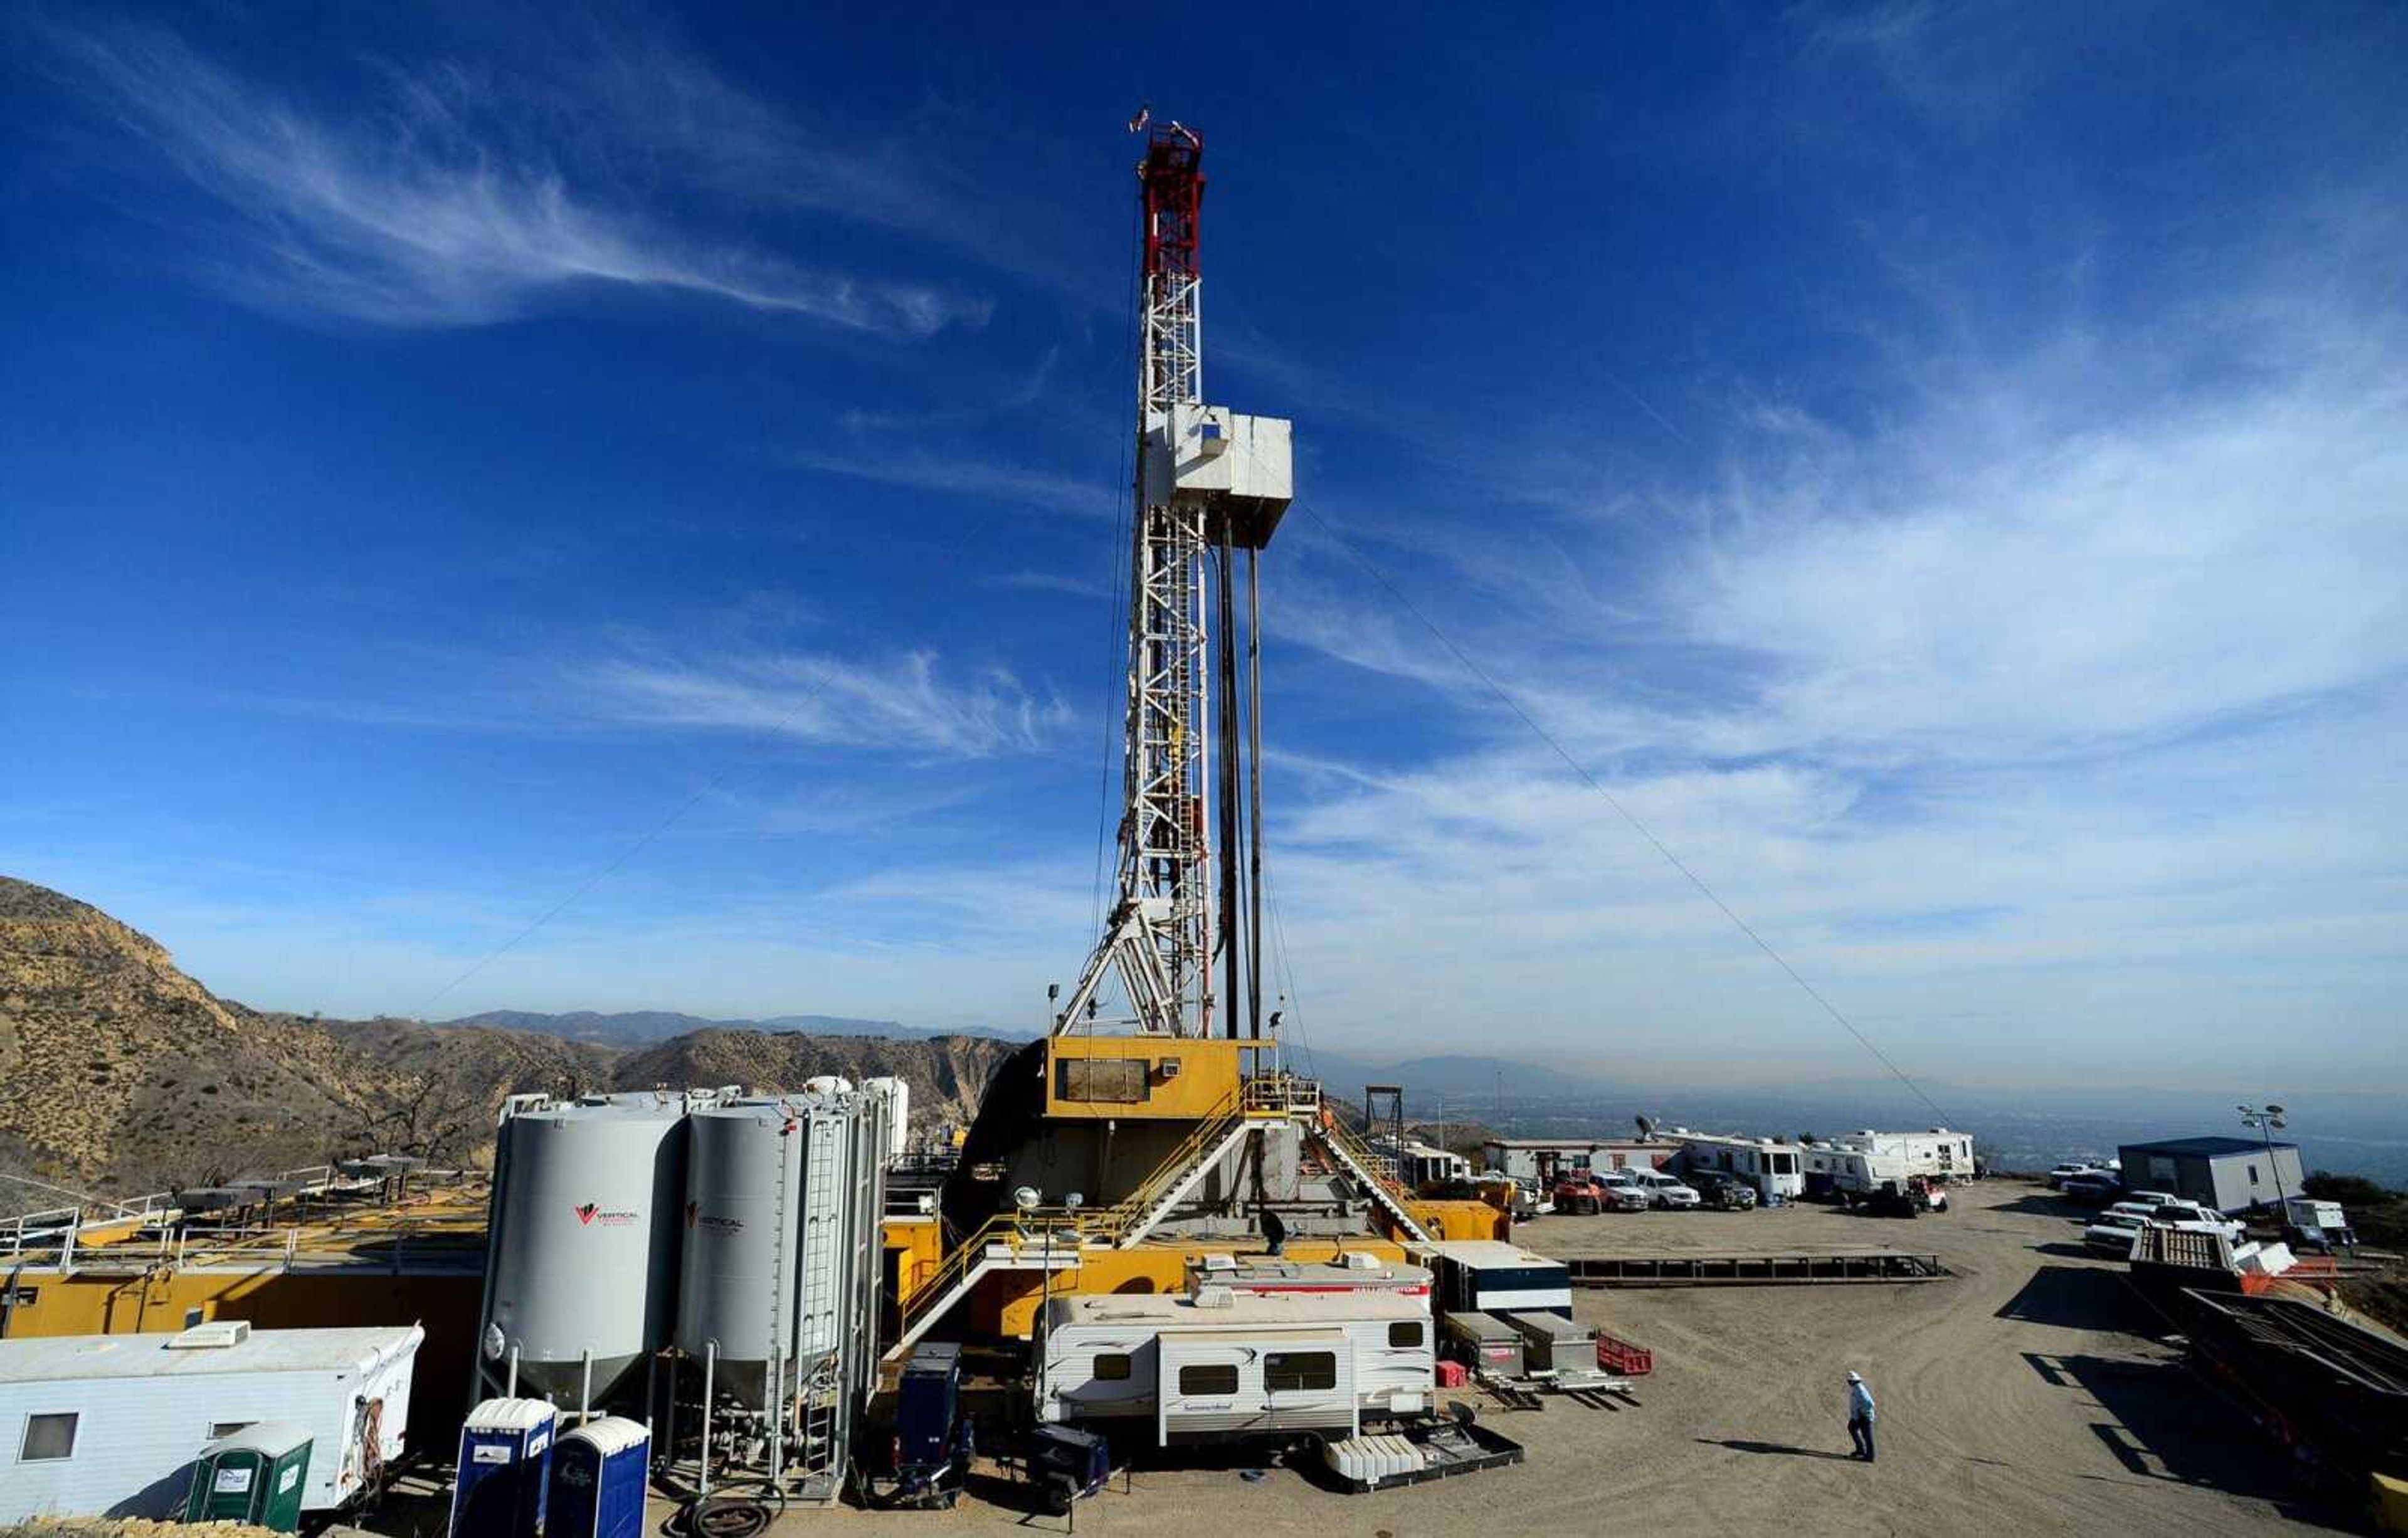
{"type": "Point", "coordinates": [970, 475]}
{"type": "Point", "coordinates": [903, 704]}
{"type": "Point", "coordinates": [436, 200]}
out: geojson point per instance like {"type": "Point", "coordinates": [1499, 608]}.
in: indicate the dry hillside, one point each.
{"type": "Point", "coordinates": [119, 1074]}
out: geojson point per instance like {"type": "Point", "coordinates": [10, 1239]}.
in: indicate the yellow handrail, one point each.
{"type": "Point", "coordinates": [1268, 1095]}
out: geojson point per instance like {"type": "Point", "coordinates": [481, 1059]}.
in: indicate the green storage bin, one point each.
{"type": "Point", "coordinates": [257, 1475]}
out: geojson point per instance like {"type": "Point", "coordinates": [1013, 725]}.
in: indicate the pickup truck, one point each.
{"type": "Point", "coordinates": [1662, 1190]}
{"type": "Point", "coordinates": [2112, 1235]}
{"type": "Point", "coordinates": [2191, 1217]}
{"type": "Point", "coordinates": [1723, 1192]}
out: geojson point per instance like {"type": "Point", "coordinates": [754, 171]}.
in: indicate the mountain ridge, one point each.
{"type": "Point", "coordinates": [121, 1074]}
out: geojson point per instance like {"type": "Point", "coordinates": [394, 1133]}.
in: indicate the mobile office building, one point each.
{"type": "Point", "coordinates": [112, 1425]}
{"type": "Point", "coordinates": [1540, 1161]}
{"type": "Point", "coordinates": [1219, 1365]}
{"type": "Point", "coordinates": [1774, 1167]}
{"type": "Point", "coordinates": [1491, 1275]}
{"type": "Point", "coordinates": [1937, 1154]}
{"type": "Point", "coordinates": [2229, 1173]}
{"type": "Point", "coordinates": [1418, 1164]}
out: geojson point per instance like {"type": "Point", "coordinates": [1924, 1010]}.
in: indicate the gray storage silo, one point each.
{"type": "Point", "coordinates": [580, 1272]}
{"type": "Point", "coordinates": [739, 1271]}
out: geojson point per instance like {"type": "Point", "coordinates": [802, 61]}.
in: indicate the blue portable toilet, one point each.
{"type": "Point", "coordinates": [505, 1467]}
{"type": "Point", "coordinates": [599, 1475]}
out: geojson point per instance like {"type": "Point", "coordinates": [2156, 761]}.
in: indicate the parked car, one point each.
{"type": "Point", "coordinates": [1620, 1191]}
{"type": "Point", "coordinates": [2154, 1199]}
{"type": "Point", "coordinates": [1662, 1190]}
{"type": "Point", "coordinates": [2140, 1212]}
{"type": "Point", "coordinates": [2113, 1234]}
{"type": "Point", "coordinates": [2057, 1177]}
{"type": "Point", "coordinates": [2098, 1186]}
{"type": "Point", "coordinates": [1723, 1192]}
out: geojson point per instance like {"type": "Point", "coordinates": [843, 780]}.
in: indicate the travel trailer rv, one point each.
{"type": "Point", "coordinates": [1218, 1365]}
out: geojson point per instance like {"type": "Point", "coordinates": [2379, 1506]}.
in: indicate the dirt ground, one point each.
{"type": "Point", "coordinates": [2024, 1394]}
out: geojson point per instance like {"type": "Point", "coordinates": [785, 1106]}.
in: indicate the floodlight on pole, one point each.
{"type": "Point", "coordinates": [2267, 1121]}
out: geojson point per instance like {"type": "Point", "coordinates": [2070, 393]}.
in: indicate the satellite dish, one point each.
{"type": "Point", "coordinates": [1647, 1125]}
{"type": "Point", "coordinates": [1028, 1196]}
{"type": "Point", "coordinates": [1462, 1411]}
{"type": "Point", "coordinates": [495, 1343]}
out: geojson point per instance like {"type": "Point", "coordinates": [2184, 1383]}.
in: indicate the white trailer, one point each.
{"type": "Point", "coordinates": [1937, 1154]}
{"type": "Point", "coordinates": [1851, 1173]}
{"type": "Point", "coordinates": [1489, 1275]}
{"type": "Point", "coordinates": [109, 1425]}
{"type": "Point", "coordinates": [1217, 1365]}
{"type": "Point", "coordinates": [1774, 1167]}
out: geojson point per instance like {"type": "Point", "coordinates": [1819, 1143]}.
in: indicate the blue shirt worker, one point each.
{"type": "Point", "coordinates": [1860, 1417]}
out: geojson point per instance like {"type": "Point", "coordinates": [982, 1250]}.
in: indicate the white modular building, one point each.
{"type": "Point", "coordinates": [110, 1425]}
{"type": "Point", "coordinates": [1540, 1161]}
{"type": "Point", "coordinates": [1491, 1276]}
{"type": "Point", "coordinates": [1218, 1365]}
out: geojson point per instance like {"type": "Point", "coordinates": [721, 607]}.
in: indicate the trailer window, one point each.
{"type": "Point", "coordinates": [1293, 1371]}
{"type": "Point", "coordinates": [1209, 1378]}
{"type": "Point", "coordinates": [1405, 1333]}
{"type": "Point", "coordinates": [1111, 1366]}
{"type": "Point", "coordinates": [48, 1438]}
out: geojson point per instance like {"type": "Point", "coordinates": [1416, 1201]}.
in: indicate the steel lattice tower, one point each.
{"type": "Point", "coordinates": [1203, 482]}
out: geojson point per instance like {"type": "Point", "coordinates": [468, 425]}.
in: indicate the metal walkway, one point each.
{"type": "Point", "coordinates": [1788, 1268]}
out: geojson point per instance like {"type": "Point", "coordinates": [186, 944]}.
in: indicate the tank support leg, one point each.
{"type": "Point", "coordinates": [585, 1389]}
{"type": "Point", "coordinates": [709, 1374]}
{"type": "Point", "coordinates": [776, 1400]}
{"type": "Point", "coordinates": [664, 1454]}
{"type": "Point", "coordinates": [511, 1391]}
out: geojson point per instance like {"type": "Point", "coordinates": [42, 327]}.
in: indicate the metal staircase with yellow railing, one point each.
{"type": "Point", "coordinates": [1367, 1168]}
{"type": "Point", "coordinates": [1052, 1238]}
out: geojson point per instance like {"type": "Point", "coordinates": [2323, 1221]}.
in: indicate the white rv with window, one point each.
{"type": "Point", "coordinates": [1218, 1365]}
{"type": "Point", "coordinates": [1938, 1154]}
{"type": "Point", "coordinates": [1774, 1167]}
{"type": "Point", "coordinates": [1838, 1172]}
{"type": "Point", "coordinates": [109, 1425]}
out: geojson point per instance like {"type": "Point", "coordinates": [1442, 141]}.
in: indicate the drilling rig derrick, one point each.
{"type": "Point", "coordinates": [1209, 482]}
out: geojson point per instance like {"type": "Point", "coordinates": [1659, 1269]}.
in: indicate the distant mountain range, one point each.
{"type": "Point", "coordinates": [644, 1027]}
{"type": "Point", "coordinates": [121, 1074]}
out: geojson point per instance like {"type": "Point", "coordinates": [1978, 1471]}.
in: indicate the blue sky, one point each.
{"type": "Point", "coordinates": [1943, 468]}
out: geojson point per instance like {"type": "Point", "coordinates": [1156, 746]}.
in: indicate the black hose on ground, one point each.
{"type": "Point", "coordinates": [728, 1516]}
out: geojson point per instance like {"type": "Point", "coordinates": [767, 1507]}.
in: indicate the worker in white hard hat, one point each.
{"type": "Point", "coordinates": [1861, 1416]}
